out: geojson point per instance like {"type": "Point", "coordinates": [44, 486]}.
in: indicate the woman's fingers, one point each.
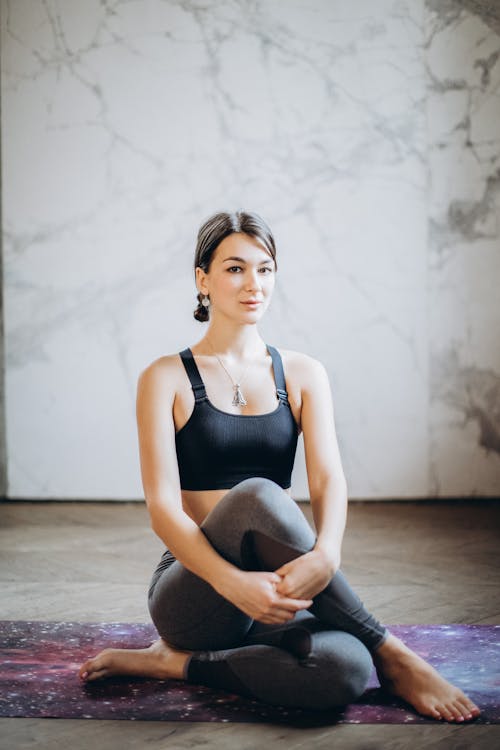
{"type": "Point", "coordinates": [293, 605]}
{"type": "Point", "coordinates": [277, 616]}
{"type": "Point", "coordinates": [261, 599]}
{"type": "Point", "coordinates": [274, 578]}
{"type": "Point", "coordinates": [283, 609]}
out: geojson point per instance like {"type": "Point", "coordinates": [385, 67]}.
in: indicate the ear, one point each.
{"type": "Point", "coordinates": [200, 280]}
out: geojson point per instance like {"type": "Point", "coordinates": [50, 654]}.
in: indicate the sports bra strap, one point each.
{"type": "Point", "coordinates": [194, 376]}
{"type": "Point", "coordinates": [279, 375]}
{"type": "Point", "coordinates": [198, 386]}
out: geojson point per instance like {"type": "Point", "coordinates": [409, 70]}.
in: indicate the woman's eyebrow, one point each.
{"type": "Point", "coordinates": [242, 260]}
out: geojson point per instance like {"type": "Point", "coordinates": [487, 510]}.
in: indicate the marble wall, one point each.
{"type": "Point", "coordinates": [366, 133]}
{"type": "Point", "coordinates": [462, 51]}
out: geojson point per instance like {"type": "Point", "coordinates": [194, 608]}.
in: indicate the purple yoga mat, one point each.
{"type": "Point", "coordinates": [40, 660]}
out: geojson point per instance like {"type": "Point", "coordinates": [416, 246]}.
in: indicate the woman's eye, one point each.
{"type": "Point", "coordinates": [264, 269]}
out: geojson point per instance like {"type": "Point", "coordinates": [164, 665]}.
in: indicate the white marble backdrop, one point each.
{"type": "Point", "coordinates": [366, 133]}
{"type": "Point", "coordinates": [463, 109]}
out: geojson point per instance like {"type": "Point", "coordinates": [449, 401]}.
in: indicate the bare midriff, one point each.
{"type": "Point", "coordinates": [198, 503]}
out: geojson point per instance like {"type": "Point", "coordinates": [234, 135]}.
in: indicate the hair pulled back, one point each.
{"type": "Point", "coordinates": [218, 227]}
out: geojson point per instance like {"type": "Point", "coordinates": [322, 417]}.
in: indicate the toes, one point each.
{"type": "Point", "coordinates": [84, 669]}
{"type": "Point", "coordinates": [445, 712]}
{"type": "Point", "coordinates": [463, 706]}
{"type": "Point", "coordinates": [91, 668]}
{"type": "Point", "coordinates": [474, 710]}
{"type": "Point", "coordinates": [435, 714]}
{"type": "Point", "coordinates": [97, 675]}
{"type": "Point", "coordinates": [460, 704]}
{"type": "Point", "coordinates": [456, 711]}
{"type": "Point", "coordinates": [459, 709]}
{"type": "Point", "coordinates": [468, 707]}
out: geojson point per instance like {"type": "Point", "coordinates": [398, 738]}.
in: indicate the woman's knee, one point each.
{"type": "Point", "coordinates": [247, 501]}
{"type": "Point", "coordinates": [254, 505]}
{"type": "Point", "coordinates": [333, 675]}
{"type": "Point", "coordinates": [260, 491]}
{"type": "Point", "coordinates": [257, 498]}
{"type": "Point", "coordinates": [343, 666]}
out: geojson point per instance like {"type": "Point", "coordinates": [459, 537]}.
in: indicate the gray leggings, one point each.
{"type": "Point", "coordinates": [320, 659]}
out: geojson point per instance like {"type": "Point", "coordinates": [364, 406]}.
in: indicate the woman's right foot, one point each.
{"type": "Point", "coordinates": [158, 661]}
{"type": "Point", "coordinates": [405, 674]}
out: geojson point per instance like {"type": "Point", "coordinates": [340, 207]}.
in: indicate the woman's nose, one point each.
{"type": "Point", "coordinates": [253, 281]}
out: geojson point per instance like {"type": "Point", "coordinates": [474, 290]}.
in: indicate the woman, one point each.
{"type": "Point", "coordinates": [247, 598]}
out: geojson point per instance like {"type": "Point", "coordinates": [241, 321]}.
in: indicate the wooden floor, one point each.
{"type": "Point", "coordinates": [410, 563]}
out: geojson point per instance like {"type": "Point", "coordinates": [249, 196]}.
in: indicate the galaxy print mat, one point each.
{"type": "Point", "coordinates": [39, 664]}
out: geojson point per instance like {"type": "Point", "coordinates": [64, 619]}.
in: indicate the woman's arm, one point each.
{"type": "Point", "coordinates": [308, 574]}
{"type": "Point", "coordinates": [254, 593]}
{"type": "Point", "coordinates": [160, 475]}
{"type": "Point", "coordinates": [326, 479]}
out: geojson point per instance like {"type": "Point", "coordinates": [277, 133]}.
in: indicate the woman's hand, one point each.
{"type": "Point", "coordinates": [307, 575]}
{"type": "Point", "coordinates": [256, 594]}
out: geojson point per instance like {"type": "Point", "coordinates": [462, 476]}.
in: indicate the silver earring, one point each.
{"type": "Point", "coordinates": [205, 301]}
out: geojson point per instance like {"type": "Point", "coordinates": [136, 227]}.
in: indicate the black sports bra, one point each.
{"type": "Point", "coordinates": [217, 449]}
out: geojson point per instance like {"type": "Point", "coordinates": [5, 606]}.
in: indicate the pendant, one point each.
{"type": "Point", "coordinates": [238, 398]}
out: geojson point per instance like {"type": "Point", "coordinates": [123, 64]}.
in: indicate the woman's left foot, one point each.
{"type": "Point", "coordinates": [159, 661]}
{"type": "Point", "coordinates": [405, 674]}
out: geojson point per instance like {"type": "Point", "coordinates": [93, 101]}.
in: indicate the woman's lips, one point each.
{"type": "Point", "coordinates": [251, 304]}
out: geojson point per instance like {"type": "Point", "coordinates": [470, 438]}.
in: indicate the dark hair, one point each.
{"type": "Point", "coordinates": [218, 227]}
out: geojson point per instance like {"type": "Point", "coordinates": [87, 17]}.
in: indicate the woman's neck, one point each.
{"type": "Point", "coordinates": [241, 342]}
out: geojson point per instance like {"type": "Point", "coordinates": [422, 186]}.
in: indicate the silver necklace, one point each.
{"type": "Point", "coordinates": [238, 397]}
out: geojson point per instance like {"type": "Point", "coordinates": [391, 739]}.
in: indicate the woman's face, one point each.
{"type": "Point", "coordinates": [241, 271]}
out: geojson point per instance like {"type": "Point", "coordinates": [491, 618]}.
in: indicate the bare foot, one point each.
{"type": "Point", "coordinates": [405, 674]}
{"type": "Point", "coordinates": [159, 661]}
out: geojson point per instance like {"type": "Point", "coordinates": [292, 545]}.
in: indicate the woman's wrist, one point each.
{"type": "Point", "coordinates": [226, 579]}
{"type": "Point", "coordinates": [329, 554]}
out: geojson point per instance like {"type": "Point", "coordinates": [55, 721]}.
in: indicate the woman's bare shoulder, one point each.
{"type": "Point", "coordinates": [163, 372]}
{"type": "Point", "coordinates": [164, 363]}
{"type": "Point", "coordinates": [300, 364]}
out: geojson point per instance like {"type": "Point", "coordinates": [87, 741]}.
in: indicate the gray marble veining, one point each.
{"type": "Point", "coordinates": [365, 133]}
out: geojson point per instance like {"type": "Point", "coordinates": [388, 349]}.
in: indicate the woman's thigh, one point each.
{"type": "Point", "coordinates": [186, 610]}
{"type": "Point", "coordinates": [303, 664]}
{"type": "Point", "coordinates": [189, 614]}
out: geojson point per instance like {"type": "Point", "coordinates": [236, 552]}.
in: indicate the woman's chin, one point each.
{"type": "Point", "coordinates": [251, 310]}
{"type": "Point", "coordinates": [251, 317]}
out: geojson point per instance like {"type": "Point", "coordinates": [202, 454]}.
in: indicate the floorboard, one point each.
{"type": "Point", "coordinates": [410, 562]}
